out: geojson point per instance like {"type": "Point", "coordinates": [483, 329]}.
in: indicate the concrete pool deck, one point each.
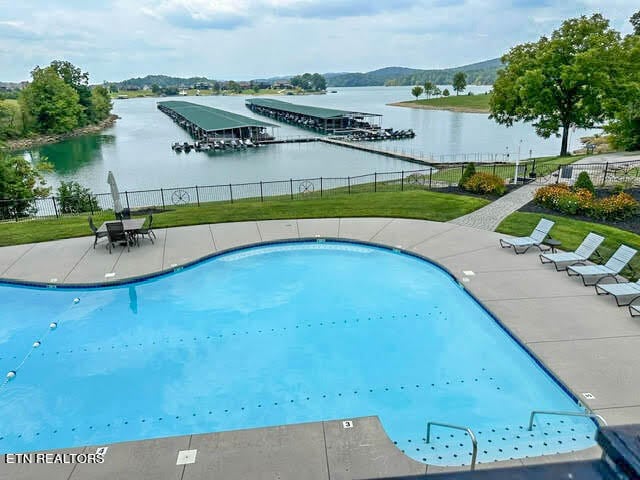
{"type": "Point", "coordinates": [589, 343]}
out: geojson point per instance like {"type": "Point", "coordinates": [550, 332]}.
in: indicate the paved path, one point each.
{"type": "Point", "coordinates": [490, 216]}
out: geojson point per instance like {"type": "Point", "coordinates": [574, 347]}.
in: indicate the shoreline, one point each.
{"type": "Point", "coordinates": [411, 104]}
{"type": "Point", "coordinates": [30, 142]}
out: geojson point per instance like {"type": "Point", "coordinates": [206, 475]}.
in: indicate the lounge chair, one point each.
{"type": "Point", "coordinates": [536, 238]}
{"type": "Point", "coordinates": [634, 308]}
{"type": "Point", "coordinates": [587, 248]}
{"type": "Point", "coordinates": [95, 231]}
{"type": "Point", "coordinates": [116, 234]}
{"type": "Point", "coordinates": [630, 289]}
{"type": "Point", "coordinates": [148, 230]}
{"type": "Point", "coordinates": [613, 267]}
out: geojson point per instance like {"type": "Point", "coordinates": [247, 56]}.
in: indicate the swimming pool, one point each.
{"type": "Point", "coordinates": [271, 335]}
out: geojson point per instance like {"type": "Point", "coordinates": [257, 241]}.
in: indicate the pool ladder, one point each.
{"type": "Point", "coordinates": [474, 441]}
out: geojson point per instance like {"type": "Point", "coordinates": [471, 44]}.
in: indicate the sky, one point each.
{"type": "Point", "coordinates": [246, 39]}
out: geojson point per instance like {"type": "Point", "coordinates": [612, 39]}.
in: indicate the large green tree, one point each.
{"type": "Point", "coordinates": [100, 103]}
{"type": "Point", "coordinates": [624, 102]}
{"type": "Point", "coordinates": [459, 82]}
{"type": "Point", "coordinates": [561, 81]}
{"type": "Point", "coordinates": [635, 22]}
{"type": "Point", "coordinates": [417, 91]}
{"type": "Point", "coordinates": [51, 105]}
{"type": "Point", "coordinates": [79, 81]}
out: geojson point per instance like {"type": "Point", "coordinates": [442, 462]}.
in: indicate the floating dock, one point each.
{"type": "Point", "coordinates": [319, 119]}
{"type": "Point", "coordinates": [207, 124]}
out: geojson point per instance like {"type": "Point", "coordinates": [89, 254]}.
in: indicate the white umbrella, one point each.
{"type": "Point", "coordinates": [111, 180]}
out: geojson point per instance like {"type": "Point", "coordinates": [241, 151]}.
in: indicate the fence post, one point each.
{"type": "Point", "coordinates": [349, 184]}
{"type": "Point", "coordinates": [126, 195]}
{"type": "Point", "coordinates": [320, 187]}
{"type": "Point", "coordinates": [402, 181]}
{"type": "Point", "coordinates": [162, 196]}
{"type": "Point", "coordinates": [261, 196]}
{"type": "Point", "coordinates": [559, 170]}
{"type": "Point", "coordinates": [231, 193]}
{"type": "Point", "coordinates": [291, 187]}
{"type": "Point", "coordinates": [375, 181]}
{"type": "Point", "coordinates": [604, 178]}
{"type": "Point", "coordinates": [430, 173]}
{"type": "Point", "coordinates": [197, 196]}
{"type": "Point", "coordinates": [494, 168]}
{"type": "Point", "coordinates": [533, 167]}
{"type": "Point", "coordinates": [55, 207]}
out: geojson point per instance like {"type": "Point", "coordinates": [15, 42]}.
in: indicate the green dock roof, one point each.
{"type": "Point", "coordinates": [319, 112]}
{"type": "Point", "coordinates": [211, 119]}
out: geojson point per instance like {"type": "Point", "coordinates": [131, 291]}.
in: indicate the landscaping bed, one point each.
{"type": "Point", "coordinates": [631, 224]}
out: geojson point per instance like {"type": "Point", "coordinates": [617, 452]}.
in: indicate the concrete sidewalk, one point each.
{"type": "Point", "coordinates": [589, 343]}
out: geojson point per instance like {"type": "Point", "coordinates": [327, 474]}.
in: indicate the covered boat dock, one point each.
{"type": "Point", "coordinates": [319, 119]}
{"type": "Point", "coordinates": [207, 124]}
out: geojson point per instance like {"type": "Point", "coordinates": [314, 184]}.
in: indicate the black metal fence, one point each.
{"type": "Point", "coordinates": [441, 178]}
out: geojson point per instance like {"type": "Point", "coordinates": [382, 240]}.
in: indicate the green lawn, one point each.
{"type": "Point", "coordinates": [571, 233]}
{"type": "Point", "coordinates": [474, 103]}
{"type": "Point", "coordinates": [418, 204]}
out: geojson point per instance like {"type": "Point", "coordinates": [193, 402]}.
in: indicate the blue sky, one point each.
{"type": "Point", "coordinates": [243, 39]}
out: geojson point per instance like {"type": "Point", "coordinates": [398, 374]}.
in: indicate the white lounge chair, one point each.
{"type": "Point", "coordinates": [613, 267]}
{"type": "Point", "coordinates": [634, 310]}
{"type": "Point", "coordinates": [536, 238]}
{"type": "Point", "coordinates": [631, 289]}
{"type": "Point", "coordinates": [587, 248]}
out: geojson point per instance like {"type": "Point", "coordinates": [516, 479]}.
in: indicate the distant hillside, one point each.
{"type": "Point", "coordinates": [482, 73]}
{"type": "Point", "coordinates": [162, 81]}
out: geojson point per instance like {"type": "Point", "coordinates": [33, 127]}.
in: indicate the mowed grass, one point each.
{"type": "Point", "coordinates": [571, 233]}
{"type": "Point", "coordinates": [418, 204]}
{"type": "Point", "coordinates": [475, 103]}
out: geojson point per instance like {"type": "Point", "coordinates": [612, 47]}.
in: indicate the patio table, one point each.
{"type": "Point", "coordinates": [130, 225]}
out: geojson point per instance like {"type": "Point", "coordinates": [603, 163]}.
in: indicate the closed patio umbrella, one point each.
{"type": "Point", "coordinates": [117, 205]}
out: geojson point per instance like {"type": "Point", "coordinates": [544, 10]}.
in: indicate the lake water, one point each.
{"type": "Point", "coordinates": [137, 148]}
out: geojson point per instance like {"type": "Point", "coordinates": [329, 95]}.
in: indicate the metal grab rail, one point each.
{"type": "Point", "coordinates": [568, 414]}
{"type": "Point", "coordinates": [474, 442]}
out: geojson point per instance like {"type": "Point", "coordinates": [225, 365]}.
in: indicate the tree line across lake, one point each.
{"type": "Point", "coordinates": [56, 101]}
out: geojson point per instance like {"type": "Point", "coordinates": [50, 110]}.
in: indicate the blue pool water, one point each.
{"type": "Point", "coordinates": [272, 335]}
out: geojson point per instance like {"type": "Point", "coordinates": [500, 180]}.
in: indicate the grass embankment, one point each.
{"type": "Point", "coordinates": [417, 204]}
{"type": "Point", "coordinates": [456, 103]}
{"type": "Point", "coordinates": [571, 233]}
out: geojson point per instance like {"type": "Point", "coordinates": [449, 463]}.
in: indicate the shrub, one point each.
{"type": "Point", "coordinates": [74, 198]}
{"type": "Point", "coordinates": [571, 202]}
{"type": "Point", "coordinates": [584, 181]}
{"type": "Point", "coordinates": [615, 207]}
{"type": "Point", "coordinates": [483, 182]}
{"type": "Point", "coordinates": [468, 172]}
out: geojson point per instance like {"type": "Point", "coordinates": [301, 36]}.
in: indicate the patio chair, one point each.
{"type": "Point", "coordinates": [95, 231]}
{"type": "Point", "coordinates": [536, 238]}
{"type": "Point", "coordinates": [634, 307]}
{"type": "Point", "coordinates": [613, 267]}
{"type": "Point", "coordinates": [148, 230]}
{"type": "Point", "coordinates": [587, 248]}
{"type": "Point", "coordinates": [116, 233]}
{"type": "Point", "coordinates": [618, 290]}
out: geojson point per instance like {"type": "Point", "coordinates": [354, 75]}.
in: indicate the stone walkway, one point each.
{"type": "Point", "coordinates": [490, 216]}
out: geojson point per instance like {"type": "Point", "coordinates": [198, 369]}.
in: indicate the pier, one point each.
{"type": "Point", "coordinates": [408, 157]}
{"type": "Point", "coordinates": [213, 128]}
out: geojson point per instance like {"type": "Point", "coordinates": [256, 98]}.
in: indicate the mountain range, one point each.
{"type": "Point", "coordinates": [481, 73]}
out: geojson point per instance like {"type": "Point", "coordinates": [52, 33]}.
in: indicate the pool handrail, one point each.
{"type": "Point", "coordinates": [595, 416]}
{"type": "Point", "coordinates": [474, 442]}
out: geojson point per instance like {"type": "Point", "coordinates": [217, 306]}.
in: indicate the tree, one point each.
{"type": "Point", "coordinates": [20, 183]}
{"type": "Point", "coordinates": [635, 22]}
{"type": "Point", "coordinates": [155, 89]}
{"type": "Point", "coordinates": [100, 103]}
{"type": "Point", "coordinates": [79, 81]}
{"type": "Point", "coordinates": [624, 103]}
{"type": "Point", "coordinates": [445, 92]}
{"type": "Point", "coordinates": [436, 91]}
{"type": "Point", "coordinates": [429, 88]}
{"type": "Point", "coordinates": [417, 91]}
{"type": "Point", "coordinates": [559, 82]}
{"type": "Point", "coordinates": [9, 120]}
{"type": "Point", "coordinates": [459, 82]}
{"type": "Point", "coordinates": [52, 105]}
